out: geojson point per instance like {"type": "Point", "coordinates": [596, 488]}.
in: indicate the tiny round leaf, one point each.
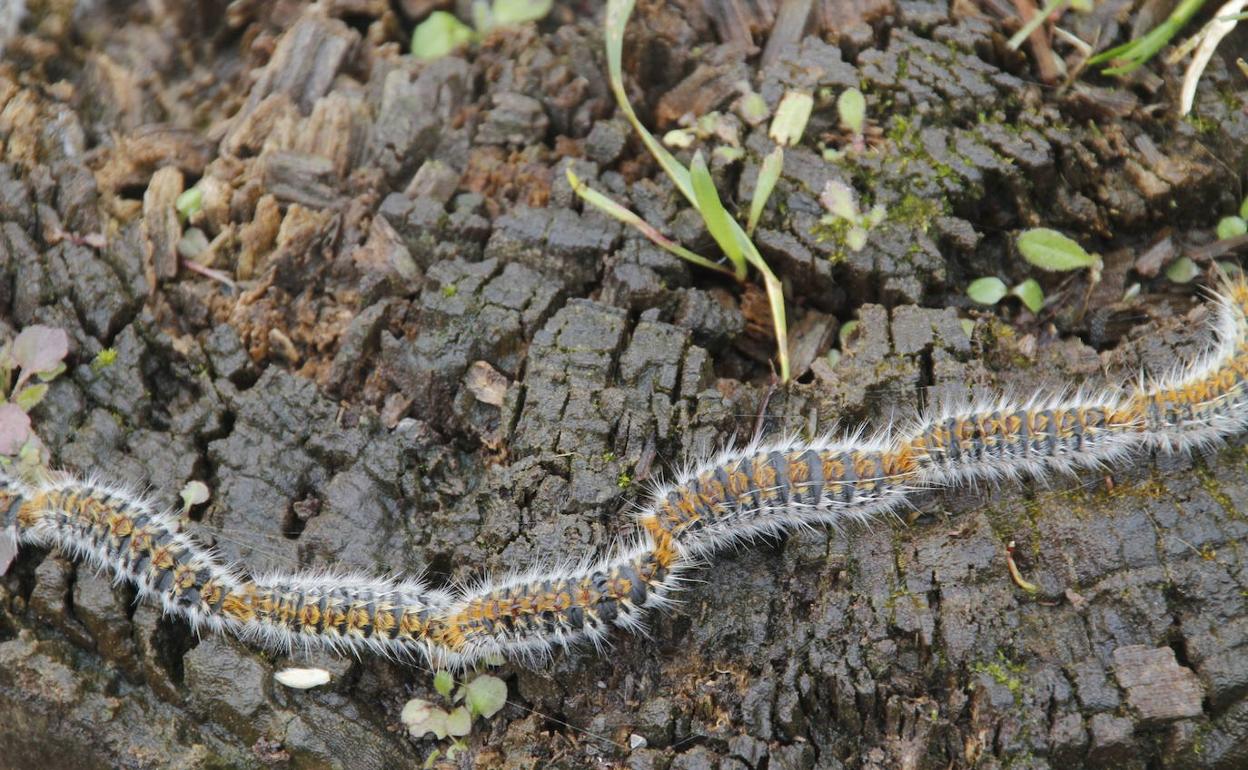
{"type": "Point", "coordinates": [1183, 270]}
{"type": "Point", "coordinates": [987, 291]}
{"type": "Point", "coordinates": [1050, 250]}
{"type": "Point", "coordinates": [438, 35]}
{"type": "Point", "coordinates": [1231, 227]}
{"type": "Point", "coordinates": [1031, 294]}
{"type": "Point", "coordinates": [485, 695]}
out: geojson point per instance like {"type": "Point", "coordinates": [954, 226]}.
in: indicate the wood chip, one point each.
{"type": "Point", "coordinates": [307, 59]}
{"type": "Point", "coordinates": [486, 383]}
{"type": "Point", "coordinates": [160, 227]}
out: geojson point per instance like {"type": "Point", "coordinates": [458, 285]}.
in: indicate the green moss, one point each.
{"type": "Point", "coordinates": [916, 212]}
{"type": "Point", "coordinates": [1202, 124]}
{"type": "Point", "coordinates": [1005, 673]}
{"type": "Point", "coordinates": [1211, 485]}
{"type": "Point", "coordinates": [450, 290]}
{"type": "Point", "coordinates": [104, 359]}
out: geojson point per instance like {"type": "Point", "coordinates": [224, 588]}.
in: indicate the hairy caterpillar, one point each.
{"type": "Point", "coordinates": [760, 489]}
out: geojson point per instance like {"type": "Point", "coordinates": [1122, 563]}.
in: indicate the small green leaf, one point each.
{"type": "Point", "coordinates": [1243, 209]}
{"type": "Point", "coordinates": [856, 238]}
{"type": "Point", "coordinates": [847, 331]}
{"type": "Point", "coordinates": [791, 117]}
{"type": "Point", "coordinates": [753, 108]}
{"type": "Point", "coordinates": [458, 722]}
{"type": "Point", "coordinates": [486, 695]}
{"type": "Point", "coordinates": [618, 12]}
{"type": "Point", "coordinates": [432, 759]}
{"type": "Point", "coordinates": [1182, 270]}
{"type": "Point", "coordinates": [51, 374]}
{"type": "Point", "coordinates": [29, 397]}
{"type": "Point", "coordinates": [1050, 250]}
{"type": "Point", "coordinates": [728, 154]}
{"type": "Point", "coordinates": [987, 291]}
{"type": "Point", "coordinates": [851, 105]}
{"type": "Point", "coordinates": [189, 203]}
{"type": "Point", "coordinates": [968, 327]}
{"type": "Point", "coordinates": [438, 35]}
{"type": "Point", "coordinates": [1231, 227]}
{"type": "Point", "coordinates": [768, 175]}
{"type": "Point", "coordinates": [192, 243]}
{"type": "Point", "coordinates": [443, 682]}
{"type": "Point", "coordinates": [513, 12]}
{"type": "Point", "coordinates": [1132, 292]}
{"type": "Point", "coordinates": [1030, 293]}
{"type": "Point", "coordinates": [617, 211]}
{"type": "Point", "coordinates": [838, 199]}
{"type": "Point", "coordinates": [679, 138]}
{"type": "Point", "coordinates": [718, 221]}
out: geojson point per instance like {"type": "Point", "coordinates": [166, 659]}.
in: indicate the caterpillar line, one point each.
{"type": "Point", "coordinates": [761, 489]}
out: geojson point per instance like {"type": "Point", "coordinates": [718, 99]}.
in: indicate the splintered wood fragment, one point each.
{"type": "Point", "coordinates": [336, 131]}
{"type": "Point", "coordinates": [307, 59]}
{"type": "Point", "coordinates": [1041, 51]}
{"type": "Point", "coordinates": [297, 177]}
{"type": "Point", "coordinates": [736, 21]}
{"type": "Point", "coordinates": [839, 19]}
{"type": "Point", "coordinates": [161, 228]}
{"type": "Point", "coordinates": [788, 30]}
{"type": "Point", "coordinates": [138, 154]}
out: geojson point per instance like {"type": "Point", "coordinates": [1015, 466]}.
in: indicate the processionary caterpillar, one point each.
{"type": "Point", "coordinates": [760, 489]}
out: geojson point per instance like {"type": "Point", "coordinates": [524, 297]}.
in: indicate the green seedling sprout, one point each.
{"type": "Point", "coordinates": [987, 291]}
{"type": "Point", "coordinates": [990, 290]}
{"type": "Point", "coordinates": [483, 697]}
{"type": "Point", "coordinates": [1046, 249]}
{"type": "Point", "coordinates": [440, 34]}
{"type": "Point", "coordinates": [27, 364]}
{"type": "Point", "coordinates": [851, 107]}
{"type": "Point", "coordinates": [695, 184]}
{"type": "Point", "coordinates": [1182, 270]}
{"type": "Point", "coordinates": [768, 175]}
{"type": "Point", "coordinates": [442, 31]}
{"type": "Point", "coordinates": [1133, 54]}
{"type": "Point", "coordinates": [791, 118]}
{"type": "Point", "coordinates": [844, 217]}
{"type": "Point", "coordinates": [1231, 227]}
{"type": "Point", "coordinates": [189, 203]}
{"type": "Point", "coordinates": [1050, 250]}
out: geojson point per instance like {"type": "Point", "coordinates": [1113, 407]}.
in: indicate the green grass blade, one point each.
{"type": "Point", "coordinates": [618, 13]}
{"type": "Point", "coordinates": [775, 297]}
{"type": "Point", "coordinates": [618, 212]}
{"type": "Point", "coordinates": [1137, 52]}
{"type": "Point", "coordinates": [718, 221]}
{"type": "Point", "coordinates": [768, 175]}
